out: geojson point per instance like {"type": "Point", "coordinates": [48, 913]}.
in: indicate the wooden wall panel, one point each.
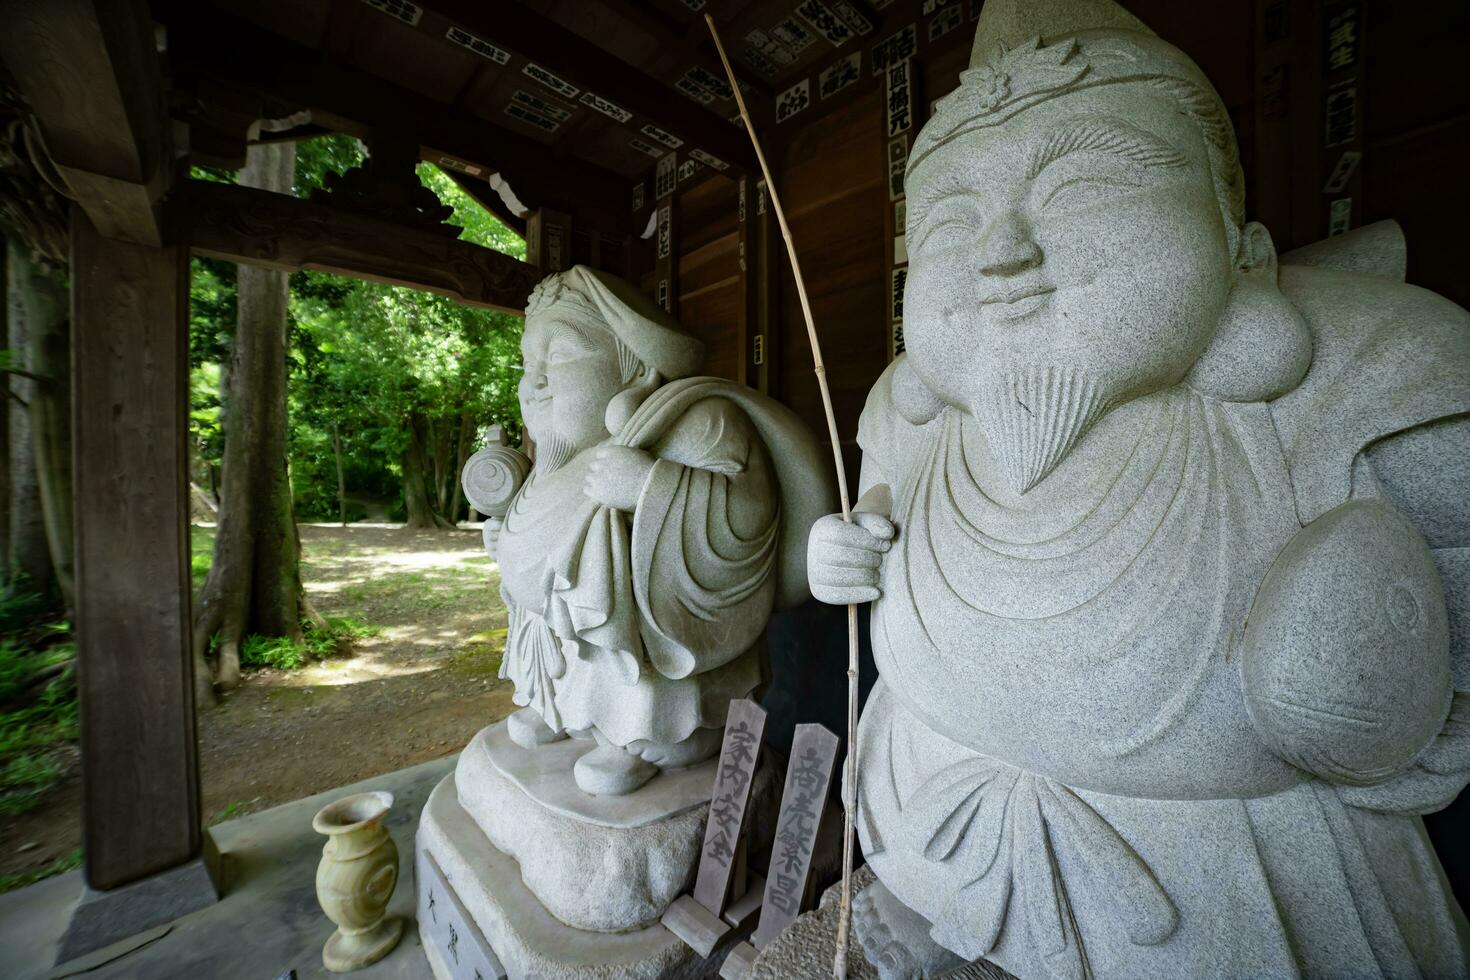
{"type": "Point", "coordinates": [709, 315]}
{"type": "Point", "coordinates": [1417, 124]}
{"type": "Point", "coordinates": [833, 186]}
{"type": "Point", "coordinates": [709, 277]}
{"type": "Point", "coordinates": [707, 211]}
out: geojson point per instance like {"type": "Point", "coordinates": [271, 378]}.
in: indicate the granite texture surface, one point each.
{"type": "Point", "coordinates": [611, 864]}
{"type": "Point", "coordinates": [528, 940]}
{"type": "Point", "coordinates": [665, 518]}
{"type": "Point", "coordinates": [1165, 543]}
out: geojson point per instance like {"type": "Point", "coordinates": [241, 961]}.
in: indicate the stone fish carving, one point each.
{"type": "Point", "coordinates": [665, 517]}
{"type": "Point", "coordinates": [1167, 545]}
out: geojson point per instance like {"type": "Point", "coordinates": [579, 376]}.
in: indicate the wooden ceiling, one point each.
{"type": "Point", "coordinates": [570, 100]}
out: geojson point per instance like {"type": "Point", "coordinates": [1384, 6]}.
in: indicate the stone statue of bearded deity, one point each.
{"type": "Point", "coordinates": [665, 517]}
{"type": "Point", "coordinates": [1167, 546]}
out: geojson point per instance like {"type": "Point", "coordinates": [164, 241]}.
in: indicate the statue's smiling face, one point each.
{"type": "Point", "coordinates": [1061, 262]}
{"type": "Point", "coordinates": [571, 373]}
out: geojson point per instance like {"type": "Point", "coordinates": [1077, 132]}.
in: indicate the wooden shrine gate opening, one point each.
{"type": "Point", "coordinates": [90, 72]}
{"type": "Point", "coordinates": [608, 120]}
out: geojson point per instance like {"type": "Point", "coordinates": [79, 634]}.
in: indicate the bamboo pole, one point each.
{"type": "Point", "coordinates": [849, 795]}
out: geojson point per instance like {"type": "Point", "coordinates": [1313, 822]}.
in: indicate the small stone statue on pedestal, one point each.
{"type": "Point", "coordinates": [664, 519]}
{"type": "Point", "coordinates": [1167, 543]}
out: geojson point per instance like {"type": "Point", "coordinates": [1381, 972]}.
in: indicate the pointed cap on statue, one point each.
{"type": "Point", "coordinates": [1011, 23]}
{"type": "Point", "coordinates": [630, 315]}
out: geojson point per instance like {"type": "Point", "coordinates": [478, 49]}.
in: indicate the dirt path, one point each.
{"type": "Point", "coordinates": [416, 691]}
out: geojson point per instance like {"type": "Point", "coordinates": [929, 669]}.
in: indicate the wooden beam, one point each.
{"type": "Point", "coordinates": [89, 70]}
{"type": "Point", "coordinates": [372, 108]}
{"type": "Point", "coordinates": [488, 199]}
{"type": "Point", "coordinates": [549, 241]}
{"type": "Point", "coordinates": [586, 64]}
{"type": "Point", "coordinates": [241, 224]}
{"type": "Point", "coordinates": [688, 41]}
{"type": "Point", "coordinates": [130, 345]}
{"type": "Point", "coordinates": [765, 265]}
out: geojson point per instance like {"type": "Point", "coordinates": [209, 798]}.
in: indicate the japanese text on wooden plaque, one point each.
{"type": "Point", "coordinates": [744, 729]}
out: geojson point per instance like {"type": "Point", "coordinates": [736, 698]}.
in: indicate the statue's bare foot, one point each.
{"type": "Point", "coordinates": [896, 938]}
{"type": "Point", "coordinates": [702, 744]}
{"type": "Point", "coordinates": [526, 728]}
{"type": "Point", "coordinates": [610, 770]}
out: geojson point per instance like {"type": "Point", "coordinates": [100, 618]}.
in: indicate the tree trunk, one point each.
{"type": "Point", "coordinates": [42, 291]}
{"type": "Point", "coordinates": [4, 430]}
{"type": "Point", "coordinates": [416, 496]}
{"type": "Point", "coordinates": [30, 552]}
{"type": "Point", "coordinates": [439, 436]}
{"type": "Point", "coordinates": [341, 477]}
{"type": "Point", "coordinates": [254, 585]}
{"type": "Point", "coordinates": [466, 447]}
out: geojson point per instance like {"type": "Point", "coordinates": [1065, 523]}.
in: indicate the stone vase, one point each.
{"type": "Point", "coordinates": [355, 879]}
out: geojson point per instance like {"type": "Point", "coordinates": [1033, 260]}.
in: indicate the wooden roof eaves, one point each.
{"type": "Point", "coordinates": [355, 101]}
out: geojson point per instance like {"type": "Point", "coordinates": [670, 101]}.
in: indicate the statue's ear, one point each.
{"type": "Point", "coordinates": [1262, 346]}
{"type": "Point", "coordinates": [1256, 252]}
{"type": "Point", "coordinates": [915, 401]}
{"type": "Point", "coordinates": [622, 406]}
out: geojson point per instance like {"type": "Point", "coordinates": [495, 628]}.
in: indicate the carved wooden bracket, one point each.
{"type": "Point", "coordinates": [386, 186]}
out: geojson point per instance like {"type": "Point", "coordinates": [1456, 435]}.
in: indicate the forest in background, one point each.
{"type": "Point", "coordinates": [370, 398]}
{"type": "Point", "coordinates": [390, 389]}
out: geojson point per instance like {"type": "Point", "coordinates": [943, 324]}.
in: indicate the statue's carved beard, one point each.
{"type": "Point", "coordinates": [1033, 416]}
{"type": "Point", "coordinates": [553, 452]}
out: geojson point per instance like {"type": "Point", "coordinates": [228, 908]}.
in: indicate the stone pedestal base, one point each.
{"type": "Point", "coordinates": [104, 917]}
{"type": "Point", "coordinates": [602, 863]}
{"type": "Point", "coordinates": [476, 915]}
{"type": "Point", "coordinates": [524, 875]}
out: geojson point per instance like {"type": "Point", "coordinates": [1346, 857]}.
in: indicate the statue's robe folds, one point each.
{"type": "Point", "coordinates": [1059, 770]}
{"type": "Point", "coordinates": [642, 627]}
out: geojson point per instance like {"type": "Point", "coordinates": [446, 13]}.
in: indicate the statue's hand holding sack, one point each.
{"type": "Point", "coordinates": [616, 476]}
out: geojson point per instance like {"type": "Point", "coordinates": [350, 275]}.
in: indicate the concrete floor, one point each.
{"type": "Point", "coordinates": [267, 924]}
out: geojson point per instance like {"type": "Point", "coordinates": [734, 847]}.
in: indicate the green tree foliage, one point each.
{"type": "Point", "coordinates": [480, 226]}
{"type": "Point", "coordinates": [372, 358]}
{"type": "Point", "coordinates": [368, 363]}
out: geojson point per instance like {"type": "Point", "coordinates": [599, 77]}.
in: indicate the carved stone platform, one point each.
{"type": "Point", "coordinates": [541, 879]}
{"type": "Point", "coordinates": [476, 916]}
{"type": "Point", "coordinates": [604, 863]}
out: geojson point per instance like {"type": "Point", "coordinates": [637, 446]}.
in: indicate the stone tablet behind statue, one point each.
{"type": "Point", "coordinates": [1169, 548]}
{"type": "Point", "coordinates": [665, 517]}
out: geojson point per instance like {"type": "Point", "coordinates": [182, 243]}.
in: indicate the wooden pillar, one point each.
{"type": "Point", "coordinates": [130, 339]}
{"type": "Point", "coordinates": [1308, 207]}
{"type": "Point", "coordinates": [903, 114]}
{"type": "Point", "coordinates": [1269, 173]}
{"type": "Point", "coordinates": [666, 234]}
{"type": "Point", "coordinates": [760, 251]}
{"type": "Point", "coordinates": [747, 327]}
{"type": "Point", "coordinates": [549, 240]}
